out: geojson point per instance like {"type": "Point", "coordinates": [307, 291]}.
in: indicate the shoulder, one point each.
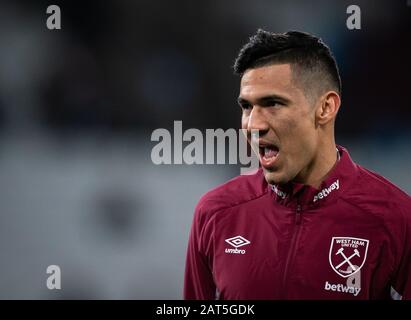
{"type": "Point", "coordinates": [234, 192]}
{"type": "Point", "coordinates": [379, 196]}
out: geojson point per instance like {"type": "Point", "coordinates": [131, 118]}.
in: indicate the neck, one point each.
{"type": "Point", "coordinates": [319, 168]}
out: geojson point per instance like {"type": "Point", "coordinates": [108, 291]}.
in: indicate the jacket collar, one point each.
{"type": "Point", "coordinates": [341, 176]}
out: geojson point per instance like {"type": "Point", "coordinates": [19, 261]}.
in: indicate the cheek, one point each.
{"type": "Point", "coordinates": [297, 133]}
{"type": "Point", "coordinates": [288, 129]}
{"type": "Point", "coordinates": [304, 141]}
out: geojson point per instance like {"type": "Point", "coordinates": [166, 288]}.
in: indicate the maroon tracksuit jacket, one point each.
{"type": "Point", "coordinates": [350, 239]}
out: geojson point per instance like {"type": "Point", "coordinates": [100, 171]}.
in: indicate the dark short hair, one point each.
{"type": "Point", "coordinates": [312, 61]}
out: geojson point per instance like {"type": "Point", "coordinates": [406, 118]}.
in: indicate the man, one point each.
{"type": "Point", "coordinates": [310, 224]}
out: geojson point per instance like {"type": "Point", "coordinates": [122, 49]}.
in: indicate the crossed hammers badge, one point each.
{"type": "Point", "coordinates": [347, 255]}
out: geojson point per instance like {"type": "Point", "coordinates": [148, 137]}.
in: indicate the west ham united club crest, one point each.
{"type": "Point", "coordinates": [347, 255]}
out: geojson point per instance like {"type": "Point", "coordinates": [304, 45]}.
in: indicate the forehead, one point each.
{"type": "Point", "coordinates": [276, 78]}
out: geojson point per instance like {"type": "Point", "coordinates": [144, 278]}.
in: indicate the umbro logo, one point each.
{"type": "Point", "coordinates": [236, 242]}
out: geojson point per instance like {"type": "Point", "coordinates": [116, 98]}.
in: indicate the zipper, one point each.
{"type": "Point", "coordinates": [292, 253]}
{"type": "Point", "coordinates": [298, 215]}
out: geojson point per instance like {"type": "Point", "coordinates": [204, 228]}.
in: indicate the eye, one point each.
{"type": "Point", "coordinates": [245, 106]}
{"type": "Point", "coordinates": [272, 103]}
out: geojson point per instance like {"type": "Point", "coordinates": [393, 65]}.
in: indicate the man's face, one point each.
{"type": "Point", "coordinates": [273, 104]}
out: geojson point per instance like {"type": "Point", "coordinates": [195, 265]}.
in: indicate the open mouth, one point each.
{"type": "Point", "coordinates": [268, 154]}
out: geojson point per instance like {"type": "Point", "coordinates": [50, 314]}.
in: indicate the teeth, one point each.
{"type": "Point", "coordinates": [269, 153]}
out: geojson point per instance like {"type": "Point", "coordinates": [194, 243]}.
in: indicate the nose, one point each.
{"type": "Point", "coordinates": [257, 121]}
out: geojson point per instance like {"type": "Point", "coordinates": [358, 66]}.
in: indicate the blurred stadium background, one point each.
{"type": "Point", "coordinates": [78, 105]}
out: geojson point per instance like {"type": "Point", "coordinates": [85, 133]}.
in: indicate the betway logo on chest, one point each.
{"type": "Point", "coordinates": [236, 242]}
{"type": "Point", "coordinates": [326, 191]}
{"type": "Point", "coordinates": [342, 288]}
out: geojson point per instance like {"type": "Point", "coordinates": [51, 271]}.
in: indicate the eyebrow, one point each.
{"type": "Point", "coordinates": [265, 99]}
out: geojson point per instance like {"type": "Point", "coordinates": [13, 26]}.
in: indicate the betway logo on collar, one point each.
{"type": "Point", "coordinates": [278, 192]}
{"type": "Point", "coordinates": [326, 191]}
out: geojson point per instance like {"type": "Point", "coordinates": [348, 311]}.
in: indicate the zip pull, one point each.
{"type": "Point", "coordinates": [298, 215]}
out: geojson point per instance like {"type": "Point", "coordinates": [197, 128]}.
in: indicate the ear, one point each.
{"type": "Point", "coordinates": [328, 108]}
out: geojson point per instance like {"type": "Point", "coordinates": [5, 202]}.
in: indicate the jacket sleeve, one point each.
{"type": "Point", "coordinates": [401, 285]}
{"type": "Point", "coordinates": [198, 279]}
